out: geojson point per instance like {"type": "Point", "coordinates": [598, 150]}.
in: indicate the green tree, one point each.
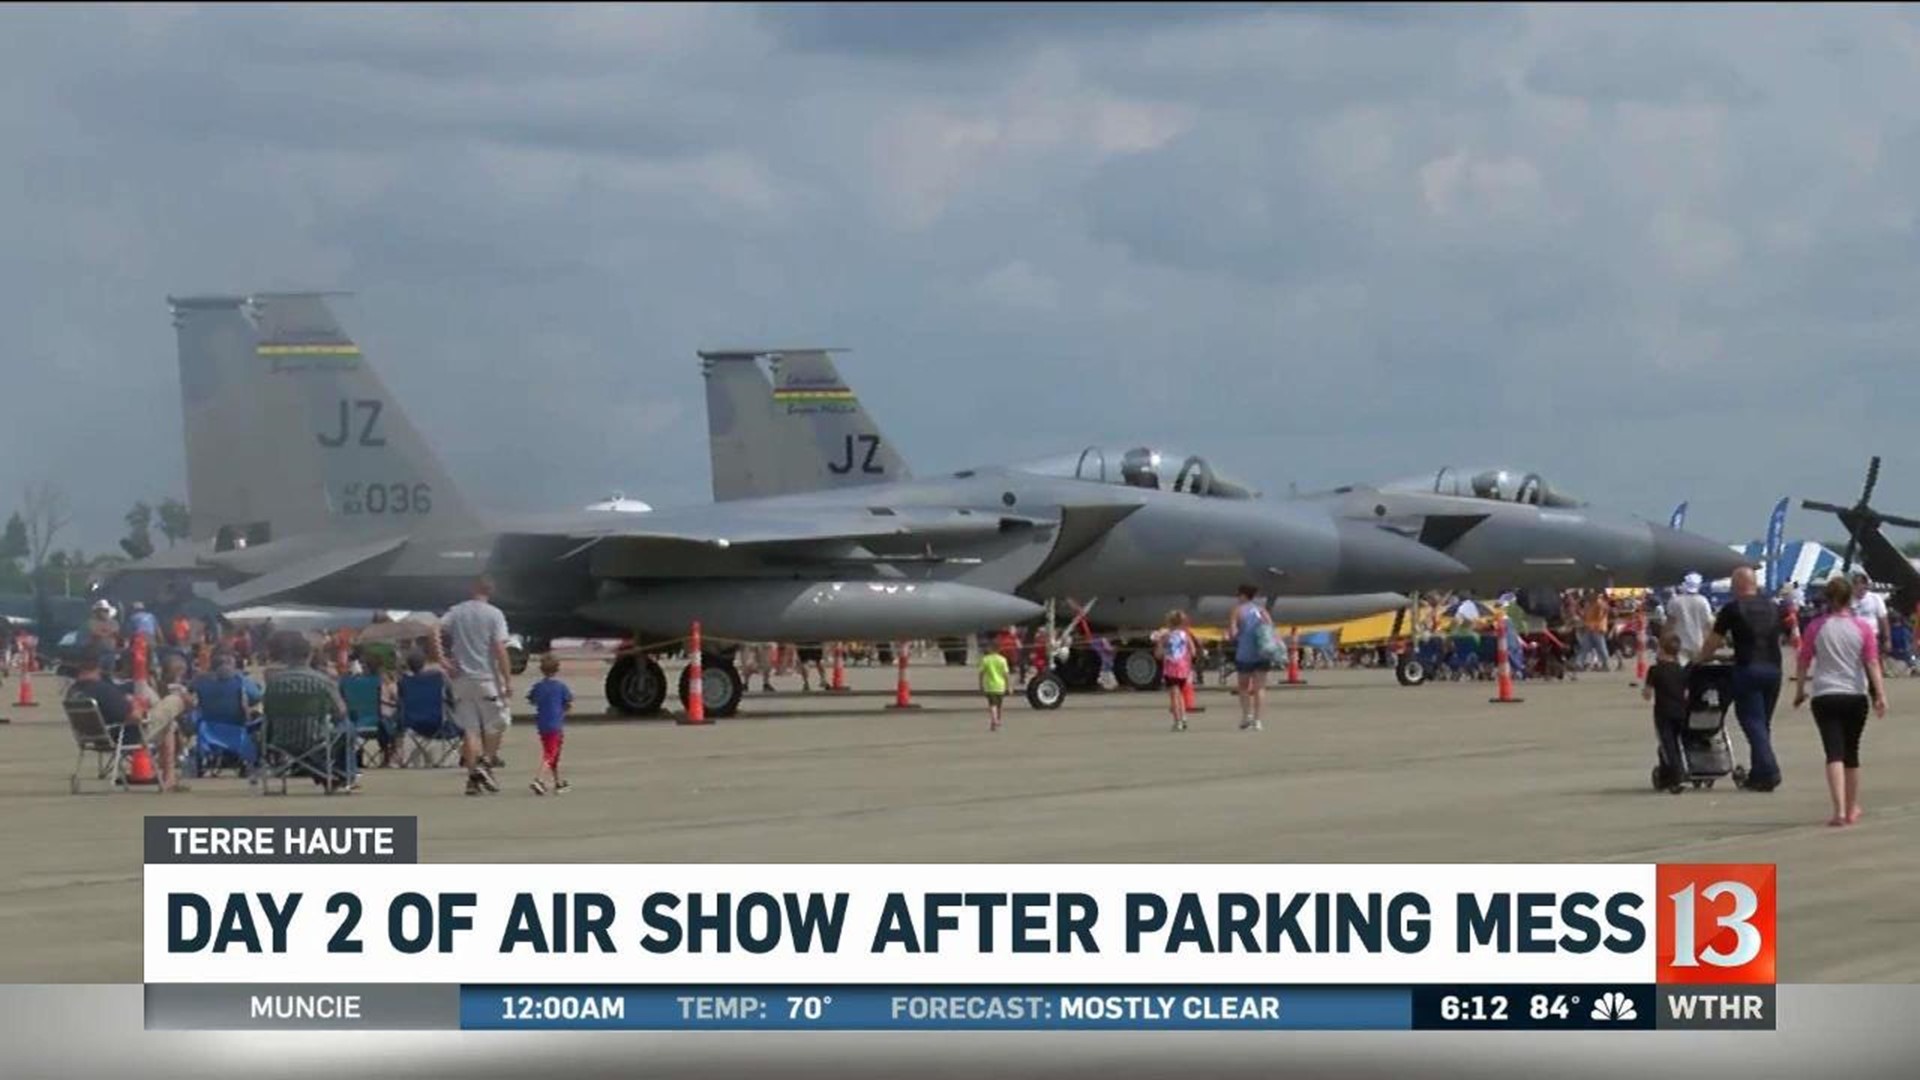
{"type": "Point", "coordinates": [13, 545]}
{"type": "Point", "coordinates": [138, 543]}
{"type": "Point", "coordinates": [175, 523]}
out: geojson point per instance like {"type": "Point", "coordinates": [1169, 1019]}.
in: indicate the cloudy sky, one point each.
{"type": "Point", "coordinates": [1653, 253]}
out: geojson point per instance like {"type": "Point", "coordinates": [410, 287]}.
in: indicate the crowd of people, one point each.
{"type": "Point", "coordinates": [452, 681]}
{"type": "Point", "coordinates": [455, 679]}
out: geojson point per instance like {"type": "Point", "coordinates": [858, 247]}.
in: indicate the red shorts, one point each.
{"type": "Point", "coordinates": [550, 747]}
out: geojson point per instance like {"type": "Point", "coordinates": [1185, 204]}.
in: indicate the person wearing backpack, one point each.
{"type": "Point", "coordinates": [1253, 647]}
{"type": "Point", "coordinates": [1175, 648]}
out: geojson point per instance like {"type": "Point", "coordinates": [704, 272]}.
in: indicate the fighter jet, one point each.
{"type": "Point", "coordinates": [308, 484]}
{"type": "Point", "coordinates": [803, 429]}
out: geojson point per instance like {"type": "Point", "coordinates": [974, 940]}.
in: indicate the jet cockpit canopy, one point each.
{"type": "Point", "coordinates": [1493, 484]}
{"type": "Point", "coordinates": [1144, 467]}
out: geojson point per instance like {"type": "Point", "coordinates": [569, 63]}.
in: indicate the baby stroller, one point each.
{"type": "Point", "coordinates": [1704, 745]}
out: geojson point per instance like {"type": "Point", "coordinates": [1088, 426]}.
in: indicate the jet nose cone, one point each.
{"type": "Point", "coordinates": [1677, 554]}
{"type": "Point", "coordinates": [1375, 560]}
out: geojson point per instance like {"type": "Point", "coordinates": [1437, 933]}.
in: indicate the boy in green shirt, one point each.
{"type": "Point", "coordinates": [993, 683]}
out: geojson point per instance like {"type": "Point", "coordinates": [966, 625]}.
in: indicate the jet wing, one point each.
{"type": "Point", "coordinates": [736, 528]}
{"type": "Point", "coordinates": [306, 571]}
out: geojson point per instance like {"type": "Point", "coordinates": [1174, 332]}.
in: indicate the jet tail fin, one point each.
{"type": "Point", "coordinates": [802, 431]}
{"type": "Point", "coordinates": [290, 431]}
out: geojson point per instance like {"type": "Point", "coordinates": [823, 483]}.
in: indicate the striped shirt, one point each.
{"type": "Point", "coordinates": [1839, 647]}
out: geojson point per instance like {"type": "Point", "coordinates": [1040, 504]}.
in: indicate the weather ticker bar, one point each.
{"type": "Point", "coordinates": [818, 1007]}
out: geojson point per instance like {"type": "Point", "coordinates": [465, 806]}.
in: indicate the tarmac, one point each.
{"type": "Point", "coordinates": [1350, 768]}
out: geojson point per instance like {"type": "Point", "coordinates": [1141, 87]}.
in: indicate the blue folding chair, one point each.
{"type": "Point", "coordinates": [426, 703]}
{"type": "Point", "coordinates": [226, 734]}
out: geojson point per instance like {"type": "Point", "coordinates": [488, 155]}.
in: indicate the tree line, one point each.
{"type": "Point", "coordinates": [32, 560]}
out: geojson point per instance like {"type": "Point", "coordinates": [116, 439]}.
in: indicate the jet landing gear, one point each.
{"type": "Point", "coordinates": [637, 685]}
{"type": "Point", "coordinates": [1137, 669]}
{"type": "Point", "coordinates": [1047, 690]}
{"type": "Point", "coordinates": [720, 685]}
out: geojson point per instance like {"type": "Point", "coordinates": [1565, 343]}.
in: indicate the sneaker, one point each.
{"type": "Point", "coordinates": [537, 787]}
{"type": "Point", "coordinates": [485, 780]}
{"type": "Point", "coordinates": [993, 725]}
{"type": "Point", "coordinates": [1258, 726]}
{"type": "Point", "coordinates": [473, 785]}
{"type": "Point", "coordinates": [496, 762]}
{"type": "Point", "coordinates": [562, 787]}
{"type": "Point", "coordinates": [1246, 722]}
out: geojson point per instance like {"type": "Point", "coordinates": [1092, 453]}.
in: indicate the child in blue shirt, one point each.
{"type": "Point", "coordinates": [552, 701]}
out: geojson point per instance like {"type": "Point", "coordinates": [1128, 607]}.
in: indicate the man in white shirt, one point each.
{"type": "Point", "coordinates": [1689, 616]}
{"type": "Point", "coordinates": [482, 681]}
{"type": "Point", "coordinates": [1872, 607]}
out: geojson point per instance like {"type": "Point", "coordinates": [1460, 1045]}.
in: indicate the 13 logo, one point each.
{"type": "Point", "coordinates": [1716, 923]}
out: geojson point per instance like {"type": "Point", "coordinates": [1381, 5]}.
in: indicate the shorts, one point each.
{"type": "Point", "coordinates": [810, 654]}
{"type": "Point", "coordinates": [994, 700]}
{"type": "Point", "coordinates": [1250, 667]}
{"type": "Point", "coordinates": [1175, 681]}
{"type": "Point", "coordinates": [550, 748]}
{"type": "Point", "coordinates": [478, 706]}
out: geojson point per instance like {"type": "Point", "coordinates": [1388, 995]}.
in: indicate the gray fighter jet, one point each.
{"type": "Point", "coordinates": [309, 485]}
{"type": "Point", "coordinates": [802, 429]}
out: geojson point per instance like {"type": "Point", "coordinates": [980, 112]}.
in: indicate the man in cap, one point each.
{"type": "Point", "coordinates": [103, 636]}
{"type": "Point", "coordinates": [1871, 606]}
{"type": "Point", "coordinates": [1689, 616]}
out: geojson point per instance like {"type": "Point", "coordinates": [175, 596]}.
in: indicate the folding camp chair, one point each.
{"type": "Point", "coordinates": [225, 736]}
{"type": "Point", "coordinates": [432, 737]}
{"type": "Point", "coordinates": [300, 737]}
{"type": "Point", "coordinates": [220, 745]}
{"type": "Point", "coordinates": [362, 695]}
{"type": "Point", "coordinates": [110, 747]}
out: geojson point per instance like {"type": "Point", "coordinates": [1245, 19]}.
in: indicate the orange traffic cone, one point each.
{"type": "Point", "coordinates": [902, 689]}
{"type": "Point", "coordinates": [26, 688]}
{"type": "Point", "coordinates": [1505, 677]}
{"type": "Point", "coordinates": [839, 684]}
{"type": "Point", "coordinates": [1189, 702]}
{"type": "Point", "coordinates": [141, 668]}
{"type": "Point", "coordinates": [140, 767]}
{"type": "Point", "coordinates": [696, 683]}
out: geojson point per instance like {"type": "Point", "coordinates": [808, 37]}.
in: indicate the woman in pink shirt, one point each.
{"type": "Point", "coordinates": [1842, 650]}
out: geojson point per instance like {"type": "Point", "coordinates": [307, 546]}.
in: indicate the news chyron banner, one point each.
{"type": "Point", "coordinates": [278, 923]}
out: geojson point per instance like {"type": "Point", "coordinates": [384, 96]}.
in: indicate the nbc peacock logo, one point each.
{"type": "Point", "coordinates": [1614, 1006]}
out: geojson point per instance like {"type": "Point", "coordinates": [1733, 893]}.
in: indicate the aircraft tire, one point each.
{"type": "Point", "coordinates": [1410, 671]}
{"type": "Point", "coordinates": [516, 660]}
{"type": "Point", "coordinates": [1046, 691]}
{"type": "Point", "coordinates": [636, 686]}
{"type": "Point", "coordinates": [1137, 669]}
{"type": "Point", "coordinates": [721, 682]}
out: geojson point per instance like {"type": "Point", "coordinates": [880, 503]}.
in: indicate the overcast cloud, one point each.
{"type": "Point", "coordinates": [1656, 254]}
